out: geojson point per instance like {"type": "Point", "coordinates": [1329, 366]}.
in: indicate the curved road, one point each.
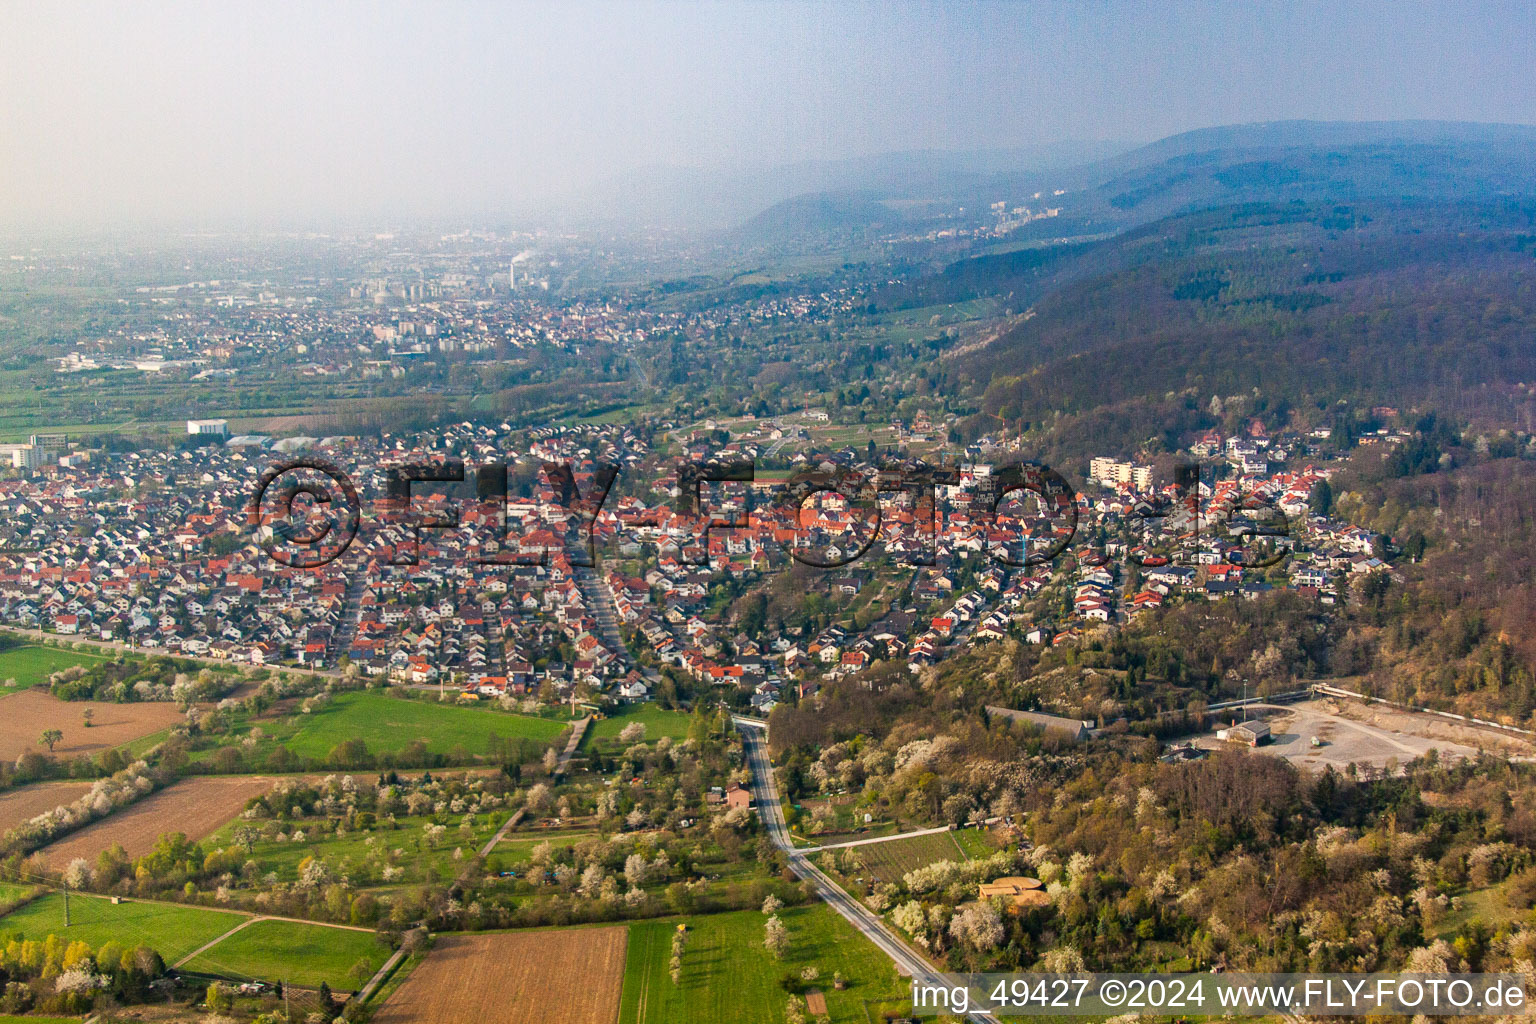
{"type": "Point", "coordinates": [765, 797]}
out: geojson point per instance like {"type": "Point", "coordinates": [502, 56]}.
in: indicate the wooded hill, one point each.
{"type": "Point", "coordinates": [1312, 314]}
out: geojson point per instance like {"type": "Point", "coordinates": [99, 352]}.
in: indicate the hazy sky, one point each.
{"type": "Point", "coordinates": [146, 112]}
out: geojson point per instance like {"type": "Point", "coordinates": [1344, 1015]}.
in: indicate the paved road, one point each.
{"type": "Point", "coordinates": [511, 823]}
{"type": "Point", "coordinates": [351, 615]}
{"type": "Point", "coordinates": [366, 992]}
{"type": "Point", "coordinates": [765, 797]}
{"type": "Point", "coordinates": [599, 601]}
{"type": "Point", "coordinates": [501, 833]}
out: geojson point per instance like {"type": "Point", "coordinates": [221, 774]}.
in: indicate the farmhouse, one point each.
{"type": "Point", "coordinates": [737, 795]}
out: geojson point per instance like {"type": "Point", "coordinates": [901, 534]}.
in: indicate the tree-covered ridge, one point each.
{"type": "Point", "coordinates": [1411, 305]}
{"type": "Point", "coordinates": [1451, 628]}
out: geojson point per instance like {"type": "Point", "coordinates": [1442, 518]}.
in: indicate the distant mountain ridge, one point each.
{"type": "Point", "coordinates": [1306, 161]}
{"type": "Point", "coordinates": [1308, 308]}
{"type": "Point", "coordinates": [819, 213]}
{"type": "Point", "coordinates": [722, 199]}
{"type": "Point", "coordinates": [1303, 133]}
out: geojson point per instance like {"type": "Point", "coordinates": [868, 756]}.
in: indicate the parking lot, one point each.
{"type": "Point", "coordinates": [1344, 738]}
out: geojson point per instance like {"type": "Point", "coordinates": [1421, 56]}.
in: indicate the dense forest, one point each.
{"type": "Point", "coordinates": [1452, 627]}
{"type": "Point", "coordinates": [1307, 313]}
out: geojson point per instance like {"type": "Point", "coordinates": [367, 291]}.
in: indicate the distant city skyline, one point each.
{"type": "Point", "coordinates": [187, 115]}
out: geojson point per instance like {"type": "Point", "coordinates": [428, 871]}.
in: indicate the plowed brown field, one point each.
{"type": "Point", "coordinates": [195, 806]}
{"type": "Point", "coordinates": [26, 803]}
{"type": "Point", "coordinates": [571, 976]}
{"type": "Point", "coordinates": [26, 714]}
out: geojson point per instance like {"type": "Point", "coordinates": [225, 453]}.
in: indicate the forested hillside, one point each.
{"type": "Point", "coordinates": [1305, 314]}
{"type": "Point", "coordinates": [1453, 628]}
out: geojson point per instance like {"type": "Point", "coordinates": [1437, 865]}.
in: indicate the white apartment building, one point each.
{"type": "Point", "coordinates": [1111, 472]}
{"type": "Point", "coordinates": [21, 456]}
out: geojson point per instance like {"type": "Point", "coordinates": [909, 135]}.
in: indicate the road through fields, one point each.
{"type": "Point", "coordinates": [766, 798]}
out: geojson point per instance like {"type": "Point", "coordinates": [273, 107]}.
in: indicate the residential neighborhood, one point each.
{"type": "Point", "coordinates": [500, 604]}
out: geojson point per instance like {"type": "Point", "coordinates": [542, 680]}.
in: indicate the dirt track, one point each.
{"type": "Point", "coordinates": [571, 976]}
{"type": "Point", "coordinates": [1430, 727]}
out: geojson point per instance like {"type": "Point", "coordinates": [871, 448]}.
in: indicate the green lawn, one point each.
{"type": "Point", "coordinates": [33, 664]}
{"type": "Point", "coordinates": [657, 721]}
{"type": "Point", "coordinates": [515, 852]}
{"type": "Point", "coordinates": [389, 724]}
{"type": "Point", "coordinates": [38, 1020]}
{"type": "Point", "coordinates": [299, 954]}
{"type": "Point", "coordinates": [135, 749]}
{"type": "Point", "coordinates": [13, 891]}
{"type": "Point", "coordinates": [171, 931]}
{"type": "Point", "coordinates": [1490, 907]}
{"type": "Point", "coordinates": [728, 975]}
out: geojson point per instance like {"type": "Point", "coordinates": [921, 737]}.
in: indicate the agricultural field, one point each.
{"type": "Point", "coordinates": [658, 722]}
{"type": "Point", "coordinates": [565, 976]}
{"type": "Point", "coordinates": [31, 664]}
{"type": "Point", "coordinates": [389, 724]}
{"type": "Point", "coordinates": [172, 931]}
{"type": "Point", "coordinates": [24, 804]}
{"type": "Point", "coordinates": [891, 860]}
{"type": "Point", "coordinates": [728, 975]}
{"type": "Point", "coordinates": [195, 806]}
{"type": "Point", "coordinates": [28, 713]}
{"type": "Point", "coordinates": [298, 954]}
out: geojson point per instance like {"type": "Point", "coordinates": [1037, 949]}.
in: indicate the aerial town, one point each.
{"type": "Point", "coordinates": [495, 607]}
{"type": "Point", "coordinates": [767, 513]}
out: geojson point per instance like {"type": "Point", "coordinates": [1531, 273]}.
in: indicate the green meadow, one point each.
{"type": "Point", "coordinates": [728, 974]}
{"type": "Point", "coordinates": [172, 931]}
{"type": "Point", "coordinates": [390, 724]}
{"type": "Point", "coordinates": [298, 954]}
